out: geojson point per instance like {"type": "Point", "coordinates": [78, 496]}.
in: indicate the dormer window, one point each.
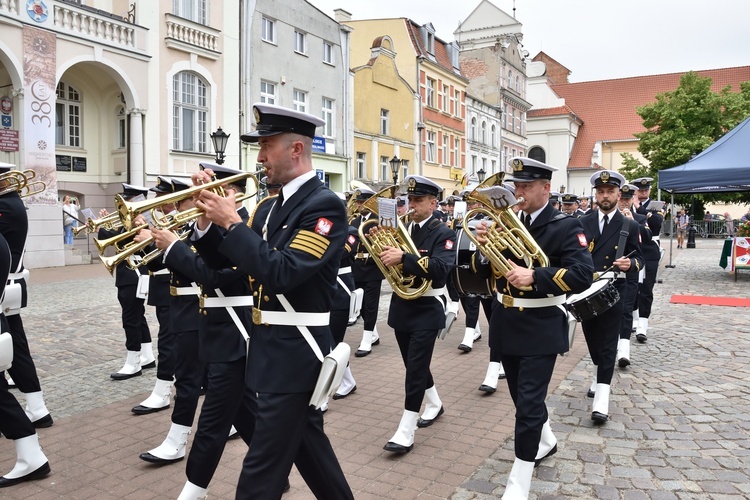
{"type": "Point", "coordinates": [430, 43]}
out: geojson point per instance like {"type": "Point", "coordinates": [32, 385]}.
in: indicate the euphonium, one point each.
{"type": "Point", "coordinates": [391, 234]}
{"type": "Point", "coordinates": [17, 180]}
{"type": "Point", "coordinates": [507, 232]}
{"type": "Point", "coordinates": [128, 211]}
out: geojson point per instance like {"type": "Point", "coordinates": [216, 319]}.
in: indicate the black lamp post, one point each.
{"type": "Point", "coordinates": [480, 175]}
{"type": "Point", "coordinates": [395, 165]}
{"type": "Point", "coordinates": [220, 139]}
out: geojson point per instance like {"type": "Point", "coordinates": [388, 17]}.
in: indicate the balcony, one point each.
{"type": "Point", "coordinates": [69, 19]}
{"type": "Point", "coordinates": [192, 38]}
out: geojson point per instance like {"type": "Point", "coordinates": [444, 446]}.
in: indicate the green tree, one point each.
{"type": "Point", "coordinates": [684, 122]}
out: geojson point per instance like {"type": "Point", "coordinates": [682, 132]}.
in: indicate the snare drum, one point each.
{"type": "Point", "coordinates": [467, 282]}
{"type": "Point", "coordinates": [594, 301]}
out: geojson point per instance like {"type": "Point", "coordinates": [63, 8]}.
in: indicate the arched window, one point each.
{"type": "Point", "coordinates": [510, 78]}
{"type": "Point", "coordinates": [484, 132]}
{"type": "Point", "coordinates": [68, 113]}
{"type": "Point", "coordinates": [493, 132]}
{"type": "Point", "coordinates": [473, 131]}
{"type": "Point", "coordinates": [189, 113]}
{"type": "Point", "coordinates": [538, 154]}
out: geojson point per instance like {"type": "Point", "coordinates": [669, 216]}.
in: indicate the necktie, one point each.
{"type": "Point", "coordinates": [415, 230]}
{"type": "Point", "coordinates": [277, 206]}
{"type": "Point", "coordinates": [606, 221]}
{"type": "Point", "coordinates": [527, 220]}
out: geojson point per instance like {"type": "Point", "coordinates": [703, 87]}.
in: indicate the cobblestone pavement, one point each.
{"type": "Point", "coordinates": [679, 424]}
{"type": "Point", "coordinates": [679, 414]}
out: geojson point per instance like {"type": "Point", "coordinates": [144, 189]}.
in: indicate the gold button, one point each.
{"type": "Point", "coordinates": [520, 293]}
{"type": "Point", "coordinates": [520, 308]}
{"type": "Point", "coordinates": [615, 247]}
{"type": "Point", "coordinates": [604, 267]}
{"type": "Point", "coordinates": [255, 294]}
{"type": "Point", "coordinates": [266, 298]}
{"type": "Point", "coordinates": [205, 313]}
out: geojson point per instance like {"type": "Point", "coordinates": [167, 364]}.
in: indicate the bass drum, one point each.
{"type": "Point", "coordinates": [467, 282]}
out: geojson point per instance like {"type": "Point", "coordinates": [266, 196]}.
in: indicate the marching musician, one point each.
{"type": "Point", "coordinates": [529, 326]}
{"type": "Point", "coordinates": [368, 277]}
{"type": "Point", "coordinates": [158, 297]}
{"type": "Point", "coordinates": [184, 319]}
{"type": "Point", "coordinates": [554, 199]}
{"type": "Point", "coordinates": [628, 298]}
{"type": "Point", "coordinates": [416, 322]}
{"type": "Point", "coordinates": [31, 463]}
{"type": "Point", "coordinates": [583, 206]}
{"type": "Point", "coordinates": [14, 226]}
{"type": "Point", "coordinates": [137, 334]}
{"type": "Point", "coordinates": [225, 299]}
{"type": "Point", "coordinates": [615, 248]}
{"type": "Point", "coordinates": [655, 219]}
{"type": "Point", "coordinates": [293, 251]}
{"type": "Point", "coordinates": [569, 204]}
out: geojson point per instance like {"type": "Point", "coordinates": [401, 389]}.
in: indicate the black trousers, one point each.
{"type": "Point", "coordinates": [165, 367]}
{"type": "Point", "coordinates": [528, 378]}
{"type": "Point", "coordinates": [14, 424]}
{"type": "Point", "coordinates": [370, 302]}
{"type": "Point", "coordinates": [133, 318]}
{"type": "Point", "coordinates": [602, 334]}
{"type": "Point", "coordinates": [290, 431]}
{"type": "Point", "coordinates": [23, 370]}
{"type": "Point", "coordinates": [339, 322]}
{"type": "Point", "coordinates": [227, 402]}
{"type": "Point", "coordinates": [471, 308]}
{"type": "Point", "coordinates": [628, 294]}
{"type": "Point", "coordinates": [646, 290]}
{"type": "Point", "coordinates": [416, 352]}
{"type": "Point", "coordinates": [188, 377]}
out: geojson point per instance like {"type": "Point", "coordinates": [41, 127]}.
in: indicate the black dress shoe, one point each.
{"type": "Point", "coordinates": [44, 422]}
{"type": "Point", "coordinates": [599, 418]}
{"type": "Point", "coordinates": [590, 394]}
{"type": "Point", "coordinates": [376, 342]}
{"type": "Point", "coordinates": [549, 454]}
{"type": "Point", "coordinates": [149, 365]}
{"type": "Point", "coordinates": [37, 474]}
{"type": "Point", "coordinates": [623, 362]}
{"type": "Point", "coordinates": [487, 389]}
{"type": "Point", "coordinates": [342, 396]}
{"type": "Point", "coordinates": [641, 337]}
{"type": "Point", "coordinates": [148, 457]}
{"type": "Point", "coordinates": [125, 376]}
{"type": "Point", "coordinates": [145, 410]}
{"type": "Point", "coordinates": [464, 348]}
{"type": "Point", "coordinates": [422, 423]}
{"type": "Point", "coordinates": [501, 376]}
{"type": "Point", "coordinates": [361, 354]}
{"type": "Point", "coordinates": [397, 448]}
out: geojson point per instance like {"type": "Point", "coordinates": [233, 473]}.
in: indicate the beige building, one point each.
{"type": "Point", "coordinates": [109, 92]}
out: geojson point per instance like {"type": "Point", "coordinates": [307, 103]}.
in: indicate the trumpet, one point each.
{"type": "Point", "coordinates": [16, 180]}
{"type": "Point", "coordinates": [507, 232]}
{"type": "Point", "coordinates": [111, 222]}
{"type": "Point", "coordinates": [128, 211]}
{"type": "Point", "coordinates": [392, 236]}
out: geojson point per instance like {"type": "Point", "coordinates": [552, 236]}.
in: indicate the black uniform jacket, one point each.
{"type": "Point", "coordinates": [542, 331]}
{"type": "Point", "coordinates": [649, 248]}
{"type": "Point", "coordinates": [300, 259]}
{"type": "Point", "coordinates": [654, 219]}
{"type": "Point", "coordinates": [219, 338]}
{"type": "Point", "coordinates": [14, 226]}
{"type": "Point", "coordinates": [603, 247]}
{"type": "Point", "coordinates": [437, 255]}
{"type": "Point", "coordinates": [342, 298]}
{"type": "Point", "coordinates": [364, 269]}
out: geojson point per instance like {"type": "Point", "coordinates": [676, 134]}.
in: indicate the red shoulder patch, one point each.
{"type": "Point", "coordinates": [448, 245]}
{"type": "Point", "coordinates": [323, 227]}
{"type": "Point", "coordinates": [582, 240]}
{"type": "Point", "coordinates": [351, 239]}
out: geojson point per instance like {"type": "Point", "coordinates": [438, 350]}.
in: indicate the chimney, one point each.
{"type": "Point", "coordinates": [342, 16]}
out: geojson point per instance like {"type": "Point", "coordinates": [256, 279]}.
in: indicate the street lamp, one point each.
{"type": "Point", "coordinates": [220, 139]}
{"type": "Point", "coordinates": [480, 175]}
{"type": "Point", "coordinates": [395, 165]}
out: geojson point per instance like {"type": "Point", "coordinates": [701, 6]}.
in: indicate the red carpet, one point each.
{"type": "Point", "coordinates": [710, 301]}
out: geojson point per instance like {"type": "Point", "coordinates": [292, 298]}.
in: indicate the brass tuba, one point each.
{"type": "Point", "coordinates": [507, 232]}
{"type": "Point", "coordinates": [17, 180]}
{"type": "Point", "coordinates": [391, 234]}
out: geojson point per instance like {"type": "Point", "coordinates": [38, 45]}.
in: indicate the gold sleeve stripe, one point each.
{"type": "Point", "coordinates": [637, 265]}
{"type": "Point", "coordinates": [347, 248]}
{"type": "Point", "coordinates": [314, 251]}
{"type": "Point", "coordinates": [424, 263]}
{"type": "Point", "coordinates": [558, 280]}
{"type": "Point", "coordinates": [313, 238]}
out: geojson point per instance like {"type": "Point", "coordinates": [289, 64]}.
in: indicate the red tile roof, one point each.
{"type": "Point", "coordinates": [442, 58]}
{"type": "Point", "coordinates": [562, 110]}
{"type": "Point", "coordinates": [607, 107]}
